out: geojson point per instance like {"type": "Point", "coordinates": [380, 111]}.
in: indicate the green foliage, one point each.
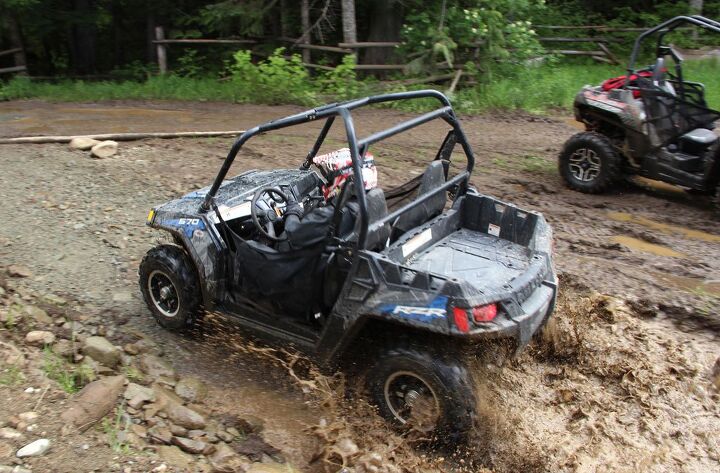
{"type": "Point", "coordinates": [11, 375]}
{"type": "Point", "coordinates": [278, 79]}
{"type": "Point", "coordinates": [342, 82]}
{"type": "Point", "coordinates": [70, 377]}
{"type": "Point", "coordinates": [480, 29]}
{"type": "Point", "coordinates": [113, 429]}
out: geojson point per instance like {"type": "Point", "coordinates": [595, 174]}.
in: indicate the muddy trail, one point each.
{"type": "Point", "coordinates": [622, 380]}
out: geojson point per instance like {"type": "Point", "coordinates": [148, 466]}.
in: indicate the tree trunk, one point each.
{"type": "Point", "coordinates": [305, 20]}
{"type": "Point", "coordinates": [84, 36]}
{"type": "Point", "coordinates": [696, 7]}
{"type": "Point", "coordinates": [385, 20]}
{"type": "Point", "coordinates": [348, 21]}
{"type": "Point", "coordinates": [284, 19]}
{"type": "Point", "coordinates": [16, 42]}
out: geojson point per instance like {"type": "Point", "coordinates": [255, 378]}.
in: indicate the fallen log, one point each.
{"type": "Point", "coordinates": [117, 137]}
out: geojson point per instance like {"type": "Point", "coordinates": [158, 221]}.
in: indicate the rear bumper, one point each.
{"type": "Point", "coordinates": [520, 321]}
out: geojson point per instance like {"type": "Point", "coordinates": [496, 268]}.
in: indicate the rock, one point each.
{"type": "Point", "coordinates": [270, 468]}
{"type": "Point", "coordinates": [18, 271]}
{"type": "Point", "coordinates": [175, 457]}
{"type": "Point", "coordinates": [139, 430]}
{"type": "Point", "coordinates": [185, 417]}
{"type": "Point", "coordinates": [93, 402]}
{"type": "Point", "coordinates": [6, 451]}
{"type": "Point", "coordinates": [155, 367]}
{"type": "Point", "coordinates": [190, 446]}
{"type": "Point", "coordinates": [178, 431]}
{"type": "Point", "coordinates": [137, 395]}
{"type": "Point", "coordinates": [104, 149]}
{"type": "Point", "coordinates": [34, 449]}
{"type": "Point", "coordinates": [102, 351]}
{"type": "Point", "coordinates": [225, 460]}
{"type": "Point", "coordinates": [225, 436]}
{"type": "Point", "coordinates": [82, 143]}
{"type": "Point", "coordinates": [13, 469]}
{"type": "Point", "coordinates": [165, 398]}
{"type": "Point", "coordinates": [131, 349]}
{"type": "Point", "coordinates": [39, 338]}
{"type": "Point", "coordinates": [158, 434]}
{"type": "Point", "coordinates": [254, 446]}
{"type": "Point", "coordinates": [191, 389]}
{"type": "Point", "coordinates": [64, 348]}
{"type": "Point", "coordinates": [39, 315]}
{"type": "Point", "coordinates": [28, 416]}
{"type": "Point", "coordinates": [9, 433]}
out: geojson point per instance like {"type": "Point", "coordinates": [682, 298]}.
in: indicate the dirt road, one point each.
{"type": "Point", "coordinates": [78, 223]}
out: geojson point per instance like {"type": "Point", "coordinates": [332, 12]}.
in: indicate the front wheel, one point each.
{"type": "Point", "coordinates": [416, 390]}
{"type": "Point", "coordinates": [170, 287]}
{"type": "Point", "coordinates": [589, 163]}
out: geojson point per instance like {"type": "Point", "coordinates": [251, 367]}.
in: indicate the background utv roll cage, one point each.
{"type": "Point", "coordinates": [664, 29]}
{"type": "Point", "coordinates": [358, 147]}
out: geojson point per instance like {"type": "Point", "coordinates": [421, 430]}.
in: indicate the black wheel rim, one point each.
{"type": "Point", "coordinates": [163, 293]}
{"type": "Point", "coordinates": [412, 401]}
{"type": "Point", "coordinates": [584, 165]}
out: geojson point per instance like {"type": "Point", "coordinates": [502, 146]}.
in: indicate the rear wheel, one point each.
{"type": "Point", "coordinates": [170, 287]}
{"type": "Point", "coordinates": [416, 390]}
{"type": "Point", "coordinates": [589, 163]}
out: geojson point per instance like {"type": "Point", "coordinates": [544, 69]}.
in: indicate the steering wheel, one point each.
{"type": "Point", "coordinates": [270, 214]}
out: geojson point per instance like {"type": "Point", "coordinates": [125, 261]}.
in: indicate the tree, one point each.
{"type": "Point", "coordinates": [348, 21]}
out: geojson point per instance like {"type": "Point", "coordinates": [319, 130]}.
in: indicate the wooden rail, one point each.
{"type": "Point", "coordinates": [7, 70]}
{"type": "Point", "coordinates": [10, 51]}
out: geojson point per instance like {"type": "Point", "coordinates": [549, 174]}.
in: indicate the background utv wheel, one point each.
{"type": "Point", "coordinates": [170, 287]}
{"type": "Point", "coordinates": [416, 390]}
{"type": "Point", "coordinates": [589, 163]}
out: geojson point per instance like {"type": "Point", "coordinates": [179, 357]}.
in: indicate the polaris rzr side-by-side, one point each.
{"type": "Point", "coordinates": [401, 281]}
{"type": "Point", "coordinates": [651, 122]}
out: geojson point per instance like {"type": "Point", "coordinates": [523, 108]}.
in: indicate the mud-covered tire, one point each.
{"type": "Point", "coordinates": [716, 202]}
{"type": "Point", "coordinates": [450, 381]}
{"type": "Point", "coordinates": [589, 163]}
{"type": "Point", "coordinates": [168, 270]}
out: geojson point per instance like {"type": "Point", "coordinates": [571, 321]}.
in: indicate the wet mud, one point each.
{"type": "Point", "coordinates": [622, 379]}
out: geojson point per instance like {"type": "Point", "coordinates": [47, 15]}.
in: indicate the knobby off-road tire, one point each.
{"type": "Point", "coordinates": [406, 369]}
{"type": "Point", "coordinates": [170, 287]}
{"type": "Point", "coordinates": [589, 163]}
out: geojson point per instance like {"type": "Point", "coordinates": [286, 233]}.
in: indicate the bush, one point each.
{"type": "Point", "coordinates": [276, 80]}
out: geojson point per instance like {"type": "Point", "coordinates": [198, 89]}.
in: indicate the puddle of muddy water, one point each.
{"type": "Point", "coordinates": [664, 227]}
{"type": "Point", "coordinates": [640, 245]}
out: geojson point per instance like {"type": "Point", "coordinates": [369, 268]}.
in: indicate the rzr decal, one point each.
{"type": "Point", "coordinates": [435, 310]}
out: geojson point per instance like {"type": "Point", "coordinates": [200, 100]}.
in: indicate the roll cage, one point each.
{"type": "Point", "coordinates": [663, 29]}
{"type": "Point", "coordinates": [358, 147]}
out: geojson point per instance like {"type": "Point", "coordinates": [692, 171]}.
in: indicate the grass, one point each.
{"type": "Point", "coordinates": [70, 377]}
{"type": "Point", "coordinates": [11, 375]}
{"type": "Point", "coordinates": [112, 429]}
{"type": "Point", "coordinates": [534, 89]}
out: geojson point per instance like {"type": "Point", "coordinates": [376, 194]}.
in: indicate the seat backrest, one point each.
{"type": "Point", "coordinates": [377, 209]}
{"type": "Point", "coordinates": [433, 177]}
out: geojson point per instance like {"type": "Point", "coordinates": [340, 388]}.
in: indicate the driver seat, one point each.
{"type": "Point", "coordinates": [377, 210]}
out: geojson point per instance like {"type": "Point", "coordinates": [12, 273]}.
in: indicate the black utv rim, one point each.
{"type": "Point", "coordinates": [411, 400]}
{"type": "Point", "coordinates": [585, 165]}
{"type": "Point", "coordinates": [163, 293]}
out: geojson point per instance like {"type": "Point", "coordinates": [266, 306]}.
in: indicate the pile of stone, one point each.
{"type": "Point", "coordinates": [98, 149]}
{"type": "Point", "coordinates": [150, 407]}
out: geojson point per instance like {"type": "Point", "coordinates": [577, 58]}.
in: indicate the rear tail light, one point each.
{"type": "Point", "coordinates": [480, 314]}
{"type": "Point", "coordinates": [461, 319]}
{"type": "Point", "coordinates": [484, 313]}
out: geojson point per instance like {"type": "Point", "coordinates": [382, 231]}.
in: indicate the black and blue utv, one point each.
{"type": "Point", "coordinates": [402, 282]}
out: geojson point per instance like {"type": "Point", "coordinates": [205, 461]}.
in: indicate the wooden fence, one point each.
{"type": "Point", "coordinates": [18, 58]}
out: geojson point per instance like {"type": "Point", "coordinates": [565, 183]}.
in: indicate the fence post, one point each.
{"type": "Point", "coordinates": [161, 50]}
